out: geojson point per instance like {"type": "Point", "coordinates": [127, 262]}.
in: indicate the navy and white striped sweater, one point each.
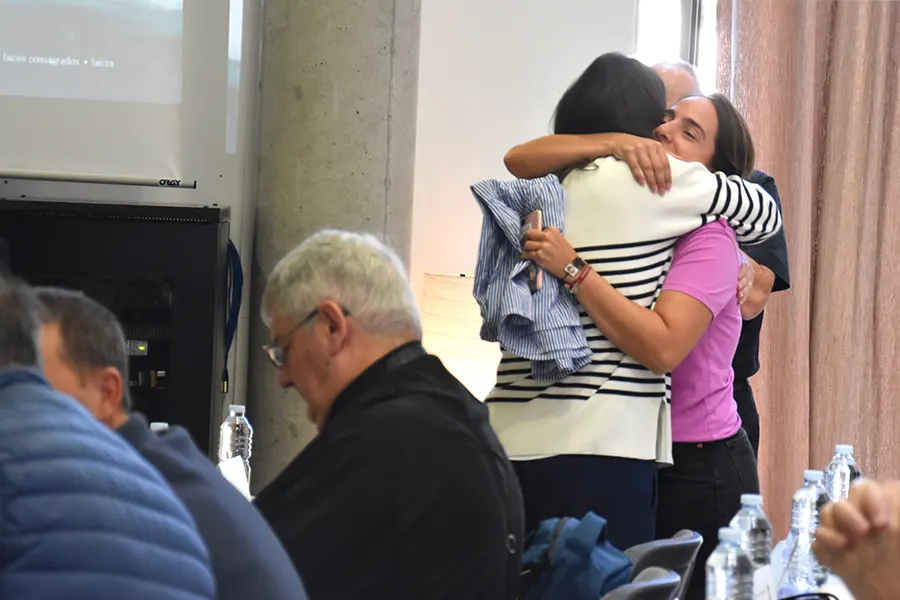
{"type": "Point", "coordinates": [614, 406]}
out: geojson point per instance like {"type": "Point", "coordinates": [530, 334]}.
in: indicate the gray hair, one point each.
{"type": "Point", "coordinates": [355, 270]}
{"type": "Point", "coordinates": [92, 337]}
{"type": "Point", "coordinates": [20, 322]}
{"type": "Point", "coordinates": [677, 65]}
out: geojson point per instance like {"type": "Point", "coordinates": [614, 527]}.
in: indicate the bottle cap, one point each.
{"type": "Point", "coordinates": [812, 475]}
{"type": "Point", "coordinates": [751, 500]}
{"type": "Point", "coordinates": [727, 534]}
{"type": "Point", "coordinates": [845, 449]}
{"type": "Point", "coordinates": [236, 408]}
{"type": "Point", "coordinates": [158, 426]}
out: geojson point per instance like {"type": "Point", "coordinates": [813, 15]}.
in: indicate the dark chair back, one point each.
{"type": "Point", "coordinates": [653, 583]}
{"type": "Point", "coordinates": [677, 554]}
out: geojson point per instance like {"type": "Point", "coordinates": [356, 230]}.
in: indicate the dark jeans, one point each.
{"type": "Point", "coordinates": [746, 406]}
{"type": "Point", "coordinates": [702, 492]}
{"type": "Point", "coordinates": [621, 490]}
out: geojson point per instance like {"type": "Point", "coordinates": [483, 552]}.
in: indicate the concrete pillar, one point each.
{"type": "Point", "coordinates": [337, 147]}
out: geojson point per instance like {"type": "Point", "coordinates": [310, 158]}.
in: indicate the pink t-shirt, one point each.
{"type": "Point", "coordinates": [706, 266]}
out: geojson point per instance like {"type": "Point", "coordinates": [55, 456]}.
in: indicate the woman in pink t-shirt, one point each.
{"type": "Point", "coordinates": [692, 331]}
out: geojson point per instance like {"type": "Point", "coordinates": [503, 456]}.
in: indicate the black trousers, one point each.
{"type": "Point", "coordinates": [746, 406]}
{"type": "Point", "coordinates": [621, 490]}
{"type": "Point", "coordinates": [702, 492]}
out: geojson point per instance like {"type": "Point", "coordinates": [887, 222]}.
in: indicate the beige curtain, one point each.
{"type": "Point", "coordinates": [819, 83]}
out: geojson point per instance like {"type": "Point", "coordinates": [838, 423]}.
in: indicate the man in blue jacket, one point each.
{"type": "Point", "coordinates": [83, 351]}
{"type": "Point", "coordinates": [83, 515]}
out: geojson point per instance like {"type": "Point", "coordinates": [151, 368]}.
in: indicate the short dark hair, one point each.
{"type": "Point", "coordinates": [734, 152]}
{"type": "Point", "coordinates": [615, 94]}
{"type": "Point", "coordinates": [20, 322]}
{"type": "Point", "coordinates": [92, 336]}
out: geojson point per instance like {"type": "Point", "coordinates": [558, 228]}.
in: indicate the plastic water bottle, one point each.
{"type": "Point", "coordinates": [841, 472]}
{"type": "Point", "coordinates": [821, 573]}
{"type": "Point", "coordinates": [802, 565]}
{"type": "Point", "coordinates": [236, 437]}
{"type": "Point", "coordinates": [729, 571]}
{"type": "Point", "coordinates": [756, 530]}
{"type": "Point", "coordinates": [158, 426]}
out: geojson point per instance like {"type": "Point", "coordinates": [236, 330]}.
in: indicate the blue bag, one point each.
{"type": "Point", "coordinates": [570, 559]}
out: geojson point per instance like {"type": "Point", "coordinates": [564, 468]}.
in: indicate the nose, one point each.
{"type": "Point", "coordinates": [664, 132]}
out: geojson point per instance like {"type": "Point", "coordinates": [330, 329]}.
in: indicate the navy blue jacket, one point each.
{"type": "Point", "coordinates": [248, 561]}
{"type": "Point", "coordinates": [83, 515]}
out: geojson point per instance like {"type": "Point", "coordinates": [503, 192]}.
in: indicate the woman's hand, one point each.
{"type": "Point", "coordinates": [549, 250]}
{"type": "Point", "coordinates": [745, 279]}
{"type": "Point", "coordinates": [647, 159]}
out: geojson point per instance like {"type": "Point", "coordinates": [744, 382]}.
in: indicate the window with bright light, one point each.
{"type": "Point", "coordinates": [708, 47]}
{"type": "Point", "coordinates": [658, 31]}
{"type": "Point", "coordinates": [660, 36]}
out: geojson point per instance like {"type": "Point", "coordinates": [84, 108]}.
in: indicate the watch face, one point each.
{"type": "Point", "coordinates": [572, 270]}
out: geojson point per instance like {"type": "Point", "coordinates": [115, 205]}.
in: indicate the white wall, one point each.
{"type": "Point", "coordinates": [490, 74]}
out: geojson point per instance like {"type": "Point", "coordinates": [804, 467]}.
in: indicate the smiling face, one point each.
{"type": "Point", "coordinates": [690, 130]}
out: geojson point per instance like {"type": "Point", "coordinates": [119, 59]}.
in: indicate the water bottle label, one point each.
{"type": "Point", "coordinates": [764, 584]}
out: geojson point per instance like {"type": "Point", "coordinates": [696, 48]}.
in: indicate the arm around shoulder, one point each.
{"type": "Point", "coordinates": [747, 207]}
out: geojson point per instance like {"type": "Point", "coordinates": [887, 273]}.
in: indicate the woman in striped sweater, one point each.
{"type": "Point", "coordinates": [593, 441]}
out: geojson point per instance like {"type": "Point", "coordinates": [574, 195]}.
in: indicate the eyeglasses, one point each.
{"type": "Point", "coordinates": [277, 352]}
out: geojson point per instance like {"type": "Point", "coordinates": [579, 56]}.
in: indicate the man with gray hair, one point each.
{"type": "Point", "coordinates": [680, 80]}
{"type": "Point", "coordinates": [83, 350]}
{"type": "Point", "coordinates": [406, 493]}
{"type": "Point", "coordinates": [83, 515]}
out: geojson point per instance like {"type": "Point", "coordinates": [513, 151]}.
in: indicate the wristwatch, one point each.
{"type": "Point", "coordinates": [575, 267]}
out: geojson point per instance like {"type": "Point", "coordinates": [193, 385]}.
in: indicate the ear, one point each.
{"type": "Point", "coordinates": [111, 387]}
{"type": "Point", "coordinates": [332, 316]}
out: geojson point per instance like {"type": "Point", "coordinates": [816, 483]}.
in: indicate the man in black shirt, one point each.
{"type": "Point", "coordinates": [769, 261]}
{"type": "Point", "coordinates": [406, 493]}
{"type": "Point", "coordinates": [4, 257]}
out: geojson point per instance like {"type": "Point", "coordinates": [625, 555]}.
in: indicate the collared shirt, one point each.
{"type": "Point", "coordinates": [405, 493]}
{"type": "Point", "coordinates": [615, 406]}
{"type": "Point", "coordinates": [542, 327]}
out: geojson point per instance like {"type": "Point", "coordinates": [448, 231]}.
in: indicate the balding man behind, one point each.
{"type": "Point", "coordinates": [406, 493]}
{"type": "Point", "coordinates": [83, 516]}
{"type": "Point", "coordinates": [83, 351]}
{"type": "Point", "coordinates": [680, 80]}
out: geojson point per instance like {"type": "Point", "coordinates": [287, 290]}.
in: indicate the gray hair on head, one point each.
{"type": "Point", "coordinates": [355, 270]}
{"type": "Point", "coordinates": [676, 65]}
{"type": "Point", "coordinates": [20, 322]}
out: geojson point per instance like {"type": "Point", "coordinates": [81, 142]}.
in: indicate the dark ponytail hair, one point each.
{"type": "Point", "coordinates": [734, 153]}
{"type": "Point", "coordinates": [615, 94]}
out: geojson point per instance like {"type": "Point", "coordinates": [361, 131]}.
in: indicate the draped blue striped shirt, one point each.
{"type": "Point", "coordinates": [542, 327]}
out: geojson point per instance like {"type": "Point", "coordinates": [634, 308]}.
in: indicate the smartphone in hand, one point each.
{"type": "Point", "coordinates": [534, 273]}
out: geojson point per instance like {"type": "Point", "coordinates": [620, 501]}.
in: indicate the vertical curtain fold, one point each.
{"type": "Point", "coordinates": [818, 84]}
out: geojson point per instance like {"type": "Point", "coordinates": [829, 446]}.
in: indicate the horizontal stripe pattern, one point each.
{"type": "Point", "coordinates": [637, 271]}
{"type": "Point", "coordinates": [614, 406]}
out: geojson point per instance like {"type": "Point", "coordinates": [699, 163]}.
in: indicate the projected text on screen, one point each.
{"type": "Point", "coordinates": [105, 50]}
